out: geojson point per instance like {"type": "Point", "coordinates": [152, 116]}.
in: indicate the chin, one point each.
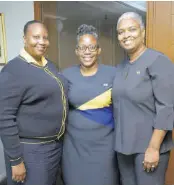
{"type": "Point", "coordinates": [129, 49]}
{"type": "Point", "coordinates": [88, 64]}
{"type": "Point", "coordinates": [40, 54]}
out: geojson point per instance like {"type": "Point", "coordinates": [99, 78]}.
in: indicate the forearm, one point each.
{"type": "Point", "coordinates": [11, 96]}
{"type": "Point", "coordinates": [11, 142]}
{"type": "Point", "coordinates": [157, 138]}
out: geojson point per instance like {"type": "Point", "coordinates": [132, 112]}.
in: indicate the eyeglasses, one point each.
{"type": "Point", "coordinates": [91, 48]}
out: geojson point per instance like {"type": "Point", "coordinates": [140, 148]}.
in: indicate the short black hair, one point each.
{"type": "Point", "coordinates": [86, 29]}
{"type": "Point", "coordinates": [30, 23]}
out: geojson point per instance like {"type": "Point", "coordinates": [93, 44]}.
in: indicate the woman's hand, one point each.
{"type": "Point", "coordinates": [19, 172]}
{"type": "Point", "coordinates": [151, 159]}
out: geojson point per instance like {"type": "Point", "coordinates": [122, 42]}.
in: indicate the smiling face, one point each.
{"type": "Point", "coordinates": [36, 40]}
{"type": "Point", "coordinates": [88, 50]}
{"type": "Point", "coordinates": [130, 35]}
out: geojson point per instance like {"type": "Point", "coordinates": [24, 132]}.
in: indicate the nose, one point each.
{"type": "Point", "coordinates": [41, 41]}
{"type": "Point", "coordinates": [87, 51]}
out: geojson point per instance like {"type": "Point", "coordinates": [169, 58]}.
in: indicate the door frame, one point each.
{"type": "Point", "coordinates": [38, 10]}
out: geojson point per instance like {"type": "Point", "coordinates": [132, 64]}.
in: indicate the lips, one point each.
{"type": "Point", "coordinates": [41, 49]}
{"type": "Point", "coordinates": [127, 42]}
{"type": "Point", "coordinates": [87, 59]}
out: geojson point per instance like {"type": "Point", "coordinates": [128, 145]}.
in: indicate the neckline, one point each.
{"type": "Point", "coordinates": [33, 64]}
{"type": "Point", "coordinates": [30, 59]}
{"type": "Point", "coordinates": [92, 76]}
{"type": "Point", "coordinates": [140, 56]}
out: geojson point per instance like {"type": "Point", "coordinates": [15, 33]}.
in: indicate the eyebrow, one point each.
{"type": "Point", "coordinates": [127, 28]}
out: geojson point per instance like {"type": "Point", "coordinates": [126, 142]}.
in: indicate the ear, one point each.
{"type": "Point", "coordinates": [76, 52]}
{"type": "Point", "coordinates": [99, 51]}
{"type": "Point", "coordinates": [144, 33]}
{"type": "Point", "coordinates": [24, 39]}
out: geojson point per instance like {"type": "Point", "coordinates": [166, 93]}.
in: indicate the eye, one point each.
{"type": "Point", "coordinates": [81, 48]}
{"type": "Point", "coordinates": [36, 36]}
{"type": "Point", "coordinates": [120, 32]}
{"type": "Point", "coordinates": [132, 29]}
{"type": "Point", "coordinates": [93, 47]}
{"type": "Point", "coordinates": [45, 38]}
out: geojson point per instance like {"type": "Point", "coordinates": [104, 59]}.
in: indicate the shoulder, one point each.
{"type": "Point", "coordinates": [54, 69]}
{"type": "Point", "coordinates": [154, 52]}
{"type": "Point", "coordinates": [107, 72]}
{"type": "Point", "coordinates": [14, 66]}
{"type": "Point", "coordinates": [51, 64]}
{"type": "Point", "coordinates": [70, 71]}
{"type": "Point", "coordinates": [158, 56]}
{"type": "Point", "coordinates": [160, 63]}
{"type": "Point", "coordinates": [121, 65]}
{"type": "Point", "coordinates": [10, 73]}
{"type": "Point", "coordinates": [155, 56]}
{"type": "Point", "coordinates": [108, 69]}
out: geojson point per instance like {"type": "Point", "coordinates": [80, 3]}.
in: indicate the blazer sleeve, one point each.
{"type": "Point", "coordinates": [11, 93]}
{"type": "Point", "coordinates": [162, 78]}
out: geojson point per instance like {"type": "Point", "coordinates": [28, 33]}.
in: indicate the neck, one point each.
{"type": "Point", "coordinates": [38, 59]}
{"type": "Point", "coordinates": [89, 71]}
{"type": "Point", "coordinates": [135, 54]}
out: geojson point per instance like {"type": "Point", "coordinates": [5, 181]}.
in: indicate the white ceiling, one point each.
{"type": "Point", "coordinates": [94, 10]}
{"type": "Point", "coordinates": [141, 5]}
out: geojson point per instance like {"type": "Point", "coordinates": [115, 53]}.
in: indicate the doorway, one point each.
{"type": "Point", "coordinates": [63, 19]}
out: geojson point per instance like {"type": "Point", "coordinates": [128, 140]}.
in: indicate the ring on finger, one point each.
{"type": "Point", "coordinates": [152, 168]}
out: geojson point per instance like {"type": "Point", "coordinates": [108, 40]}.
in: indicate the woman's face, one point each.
{"type": "Point", "coordinates": [36, 40]}
{"type": "Point", "coordinates": [130, 35]}
{"type": "Point", "coordinates": [88, 50]}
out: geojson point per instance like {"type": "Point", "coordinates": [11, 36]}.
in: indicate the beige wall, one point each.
{"type": "Point", "coordinates": [16, 15]}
